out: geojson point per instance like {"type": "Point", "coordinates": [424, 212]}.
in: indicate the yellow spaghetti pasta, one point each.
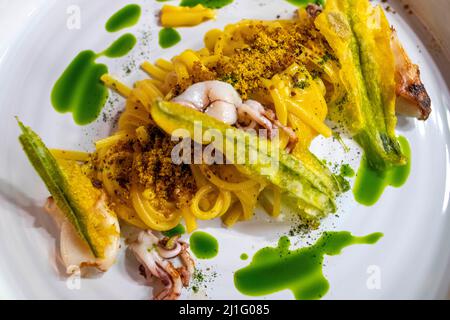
{"type": "Point", "coordinates": [211, 38]}
{"type": "Point", "coordinates": [150, 215]}
{"type": "Point", "coordinates": [233, 215]}
{"type": "Point", "coordinates": [280, 106]}
{"type": "Point", "coordinates": [200, 179]}
{"type": "Point", "coordinates": [129, 216]}
{"type": "Point", "coordinates": [154, 71]}
{"type": "Point", "coordinates": [309, 118]}
{"type": "Point", "coordinates": [224, 191]}
{"type": "Point", "coordinates": [129, 122]}
{"type": "Point", "coordinates": [164, 64]}
{"type": "Point", "coordinates": [160, 85]}
{"type": "Point", "coordinates": [181, 71]}
{"type": "Point", "coordinates": [247, 208]}
{"type": "Point", "coordinates": [210, 60]}
{"type": "Point", "coordinates": [116, 85]}
{"type": "Point", "coordinates": [222, 184]}
{"type": "Point", "coordinates": [189, 219]}
{"type": "Point", "coordinates": [226, 197]}
{"type": "Point", "coordinates": [214, 212]}
{"type": "Point", "coordinates": [189, 58]}
{"type": "Point", "coordinates": [174, 16]}
{"type": "Point", "coordinates": [109, 141]}
{"type": "Point", "coordinates": [70, 155]}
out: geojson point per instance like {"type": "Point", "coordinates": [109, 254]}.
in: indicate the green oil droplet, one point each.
{"type": "Point", "coordinates": [244, 256]}
{"type": "Point", "coordinates": [79, 89]}
{"type": "Point", "coordinates": [168, 37]}
{"type": "Point", "coordinates": [213, 4]}
{"type": "Point", "coordinates": [275, 269]}
{"type": "Point", "coordinates": [126, 17]}
{"type": "Point", "coordinates": [370, 184]}
{"type": "Point", "coordinates": [204, 245]}
{"type": "Point", "coordinates": [121, 46]}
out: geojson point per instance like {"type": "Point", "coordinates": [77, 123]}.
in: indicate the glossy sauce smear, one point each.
{"type": "Point", "coordinates": [275, 269]}
{"type": "Point", "coordinates": [126, 17]}
{"type": "Point", "coordinates": [370, 184]}
{"type": "Point", "coordinates": [79, 89]}
{"type": "Point", "coordinates": [204, 245]}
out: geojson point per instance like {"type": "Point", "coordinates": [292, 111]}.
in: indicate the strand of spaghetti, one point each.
{"type": "Point", "coordinates": [154, 71]}
{"type": "Point", "coordinates": [116, 85]}
{"type": "Point", "coordinates": [130, 122]}
{"type": "Point", "coordinates": [143, 98]}
{"type": "Point", "coordinates": [307, 117]}
{"type": "Point", "coordinates": [109, 141]}
{"type": "Point", "coordinates": [280, 107]}
{"type": "Point", "coordinates": [220, 44]}
{"type": "Point", "coordinates": [139, 113]}
{"type": "Point", "coordinates": [226, 197]}
{"type": "Point", "coordinates": [158, 84]}
{"type": "Point", "coordinates": [211, 37]}
{"type": "Point", "coordinates": [70, 155]}
{"type": "Point", "coordinates": [329, 67]}
{"type": "Point", "coordinates": [233, 215]}
{"type": "Point", "coordinates": [149, 215]}
{"type": "Point", "coordinates": [222, 184]}
{"type": "Point", "coordinates": [181, 71]}
{"type": "Point", "coordinates": [149, 87]}
{"type": "Point", "coordinates": [189, 219]}
{"type": "Point", "coordinates": [189, 58]}
{"type": "Point", "coordinates": [175, 16]}
{"type": "Point", "coordinates": [164, 64]}
{"type": "Point", "coordinates": [204, 52]}
{"type": "Point", "coordinates": [200, 179]}
{"type": "Point", "coordinates": [249, 199]}
{"type": "Point", "coordinates": [129, 216]}
{"type": "Point", "coordinates": [214, 212]}
{"type": "Point", "coordinates": [247, 206]}
{"type": "Point", "coordinates": [211, 60]}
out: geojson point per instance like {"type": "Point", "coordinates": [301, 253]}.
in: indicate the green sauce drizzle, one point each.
{"type": "Point", "coordinates": [126, 17]}
{"type": "Point", "coordinates": [213, 4]}
{"type": "Point", "coordinates": [79, 89]}
{"type": "Point", "coordinates": [244, 256]}
{"type": "Point", "coordinates": [370, 184]}
{"type": "Point", "coordinates": [168, 37]}
{"type": "Point", "coordinates": [121, 46]}
{"type": "Point", "coordinates": [178, 230]}
{"type": "Point", "coordinates": [204, 245]}
{"type": "Point", "coordinates": [276, 269]}
{"type": "Point", "coordinates": [304, 3]}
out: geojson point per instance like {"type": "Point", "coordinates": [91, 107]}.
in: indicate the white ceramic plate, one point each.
{"type": "Point", "coordinates": [411, 259]}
